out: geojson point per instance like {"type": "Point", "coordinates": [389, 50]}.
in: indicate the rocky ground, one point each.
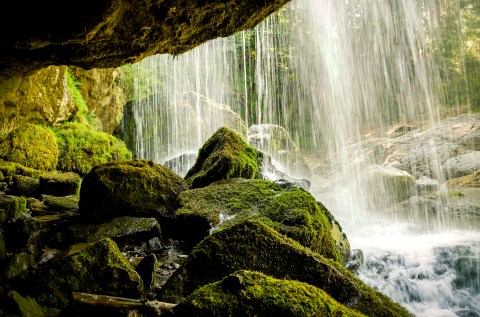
{"type": "Point", "coordinates": [130, 237]}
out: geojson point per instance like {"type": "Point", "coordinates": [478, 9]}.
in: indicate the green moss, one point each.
{"type": "Point", "coordinates": [81, 148]}
{"type": "Point", "coordinates": [99, 268]}
{"type": "Point", "coordinates": [292, 212]}
{"type": "Point", "coordinates": [13, 207]}
{"type": "Point", "coordinates": [28, 307]}
{"type": "Point", "coordinates": [247, 293]}
{"type": "Point", "coordinates": [32, 146]}
{"type": "Point", "coordinates": [135, 187]}
{"type": "Point", "coordinates": [73, 86]}
{"type": "Point", "coordinates": [251, 245]}
{"type": "Point", "coordinates": [9, 169]}
{"type": "Point", "coordinates": [225, 155]}
{"type": "Point", "coordinates": [65, 203]}
{"type": "Point", "coordinates": [123, 227]}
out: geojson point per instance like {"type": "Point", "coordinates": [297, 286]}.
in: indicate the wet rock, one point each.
{"type": "Point", "coordinates": [98, 268]}
{"type": "Point", "coordinates": [12, 208]}
{"type": "Point", "coordinates": [181, 164]}
{"type": "Point", "coordinates": [60, 184]}
{"type": "Point", "coordinates": [123, 230]}
{"type": "Point", "coordinates": [26, 306]}
{"type": "Point", "coordinates": [25, 186]}
{"type": "Point", "coordinates": [128, 188]}
{"type": "Point", "coordinates": [425, 185]}
{"type": "Point", "coordinates": [292, 212]}
{"type": "Point", "coordinates": [462, 165]}
{"type": "Point", "coordinates": [20, 264]}
{"type": "Point", "coordinates": [146, 270]}
{"type": "Point", "coordinates": [275, 141]}
{"type": "Point", "coordinates": [247, 293]}
{"type": "Point", "coordinates": [388, 183]}
{"type": "Point", "coordinates": [3, 248]}
{"type": "Point", "coordinates": [250, 245]}
{"type": "Point", "coordinates": [36, 206]}
{"type": "Point", "coordinates": [225, 155]}
{"type": "Point", "coordinates": [356, 260]}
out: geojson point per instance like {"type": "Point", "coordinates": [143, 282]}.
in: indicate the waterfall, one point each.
{"type": "Point", "coordinates": [360, 92]}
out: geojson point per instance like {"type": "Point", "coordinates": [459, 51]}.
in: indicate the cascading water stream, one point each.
{"type": "Point", "coordinates": [360, 85]}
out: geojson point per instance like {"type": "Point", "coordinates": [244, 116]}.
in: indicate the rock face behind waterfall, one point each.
{"type": "Point", "coordinates": [139, 234]}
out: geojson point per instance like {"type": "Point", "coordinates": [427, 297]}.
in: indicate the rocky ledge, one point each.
{"type": "Point", "coordinates": [112, 33]}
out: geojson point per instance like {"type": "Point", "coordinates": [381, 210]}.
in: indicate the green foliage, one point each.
{"type": "Point", "coordinates": [248, 293]}
{"type": "Point", "coordinates": [73, 87]}
{"type": "Point", "coordinates": [81, 148]}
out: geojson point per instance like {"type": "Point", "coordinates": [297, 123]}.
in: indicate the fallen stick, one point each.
{"type": "Point", "coordinates": [121, 302]}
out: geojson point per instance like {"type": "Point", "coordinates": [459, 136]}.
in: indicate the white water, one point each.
{"type": "Point", "coordinates": [334, 74]}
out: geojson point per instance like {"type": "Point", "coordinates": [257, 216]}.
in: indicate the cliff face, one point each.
{"type": "Point", "coordinates": [111, 33]}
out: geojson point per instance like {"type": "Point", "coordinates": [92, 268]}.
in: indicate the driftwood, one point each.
{"type": "Point", "coordinates": [114, 302]}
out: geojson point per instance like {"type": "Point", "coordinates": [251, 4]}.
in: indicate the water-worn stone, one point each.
{"type": "Point", "coordinates": [61, 204]}
{"type": "Point", "coordinates": [130, 188]}
{"type": "Point", "coordinates": [225, 155]}
{"type": "Point", "coordinates": [463, 164]}
{"type": "Point", "coordinates": [20, 264]}
{"type": "Point", "coordinates": [247, 293]}
{"type": "Point", "coordinates": [388, 184]}
{"type": "Point", "coordinates": [98, 268]}
{"type": "Point", "coordinates": [293, 212]}
{"type": "Point", "coordinates": [251, 245]}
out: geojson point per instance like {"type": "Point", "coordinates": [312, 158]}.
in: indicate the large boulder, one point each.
{"type": "Point", "coordinates": [32, 146]}
{"type": "Point", "coordinates": [98, 268]}
{"type": "Point", "coordinates": [293, 212]}
{"type": "Point", "coordinates": [109, 33]}
{"type": "Point", "coordinates": [251, 245]}
{"type": "Point", "coordinates": [225, 155]}
{"type": "Point", "coordinates": [81, 148]}
{"type": "Point", "coordinates": [247, 293]}
{"type": "Point", "coordinates": [130, 188]}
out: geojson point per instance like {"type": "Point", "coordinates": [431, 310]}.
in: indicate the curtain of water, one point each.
{"type": "Point", "coordinates": [337, 75]}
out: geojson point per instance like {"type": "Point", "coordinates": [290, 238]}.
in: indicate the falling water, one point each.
{"type": "Point", "coordinates": [363, 88]}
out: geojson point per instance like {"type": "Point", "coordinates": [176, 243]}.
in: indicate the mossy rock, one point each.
{"type": "Point", "coordinates": [248, 293]}
{"type": "Point", "coordinates": [12, 207]}
{"type": "Point", "coordinates": [98, 268]}
{"type": "Point", "coordinates": [225, 155]}
{"type": "Point", "coordinates": [130, 188]}
{"type": "Point", "coordinates": [8, 169]}
{"type": "Point", "coordinates": [251, 245]}
{"type": "Point", "coordinates": [32, 146]}
{"type": "Point", "coordinates": [19, 265]}
{"type": "Point", "coordinates": [62, 203]}
{"type": "Point", "coordinates": [28, 307]}
{"type": "Point", "coordinates": [81, 148]}
{"type": "Point", "coordinates": [293, 212]}
{"type": "Point", "coordinates": [123, 230]}
{"type": "Point", "coordinates": [60, 184]}
{"type": "Point", "coordinates": [25, 186]}
{"type": "Point", "coordinates": [3, 248]}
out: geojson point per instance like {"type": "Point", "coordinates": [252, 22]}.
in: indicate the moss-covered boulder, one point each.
{"type": "Point", "coordinates": [251, 245]}
{"type": "Point", "coordinates": [20, 264]}
{"type": "Point", "coordinates": [25, 186]}
{"type": "Point", "coordinates": [81, 148]}
{"type": "Point", "coordinates": [247, 293]}
{"type": "Point", "coordinates": [293, 212]}
{"type": "Point", "coordinates": [12, 208]}
{"type": "Point", "coordinates": [32, 146]}
{"type": "Point", "coordinates": [26, 306]}
{"type": "Point", "coordinates": [128, 188]}
{"type": "Point", "coordinates": [225, 155]}
{"type": "Point", "coordinates": [98, 268]}
{"type": "Point", "coordinates": [60, 184]}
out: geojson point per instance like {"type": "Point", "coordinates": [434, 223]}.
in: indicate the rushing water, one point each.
{"type": "Point", "coordinates": [336, 75]}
